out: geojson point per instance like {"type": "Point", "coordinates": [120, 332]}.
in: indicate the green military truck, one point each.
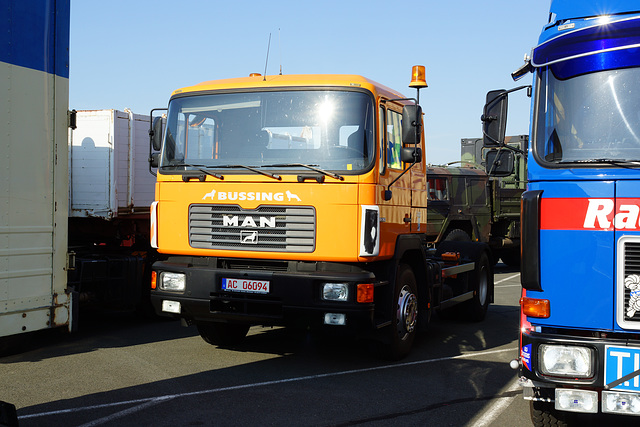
{"type": "Point", "coordinates": [459, 206]}
{"type": "Point", "coordinates": [466, 203]}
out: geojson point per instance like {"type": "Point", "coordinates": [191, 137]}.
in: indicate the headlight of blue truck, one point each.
{"type": "Point", "coordinates": [565, 361]}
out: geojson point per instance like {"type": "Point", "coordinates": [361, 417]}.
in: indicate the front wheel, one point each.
{"type": "Point", "coordinates": [224, 334]}
{"type": "Point", "coordinates": [544, 414]}
{"type": "Point", "coordinates": [404, 316]}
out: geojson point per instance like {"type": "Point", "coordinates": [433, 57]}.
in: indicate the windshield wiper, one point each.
{"type": "Point", "coordinates": [614, 162]}
{"type": "Point", "coordinates": [199, 168]}
{"type": "Point", "coordinates": [312, 167]}
{"type": "Point", "coordinates": [251, 168]}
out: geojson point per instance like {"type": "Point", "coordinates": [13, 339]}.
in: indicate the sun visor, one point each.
{"type": "Point", "coordinates": [595, 48]}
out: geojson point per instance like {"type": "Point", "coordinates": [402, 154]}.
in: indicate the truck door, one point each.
{"type": "Point", "coordinates": [395, 212]}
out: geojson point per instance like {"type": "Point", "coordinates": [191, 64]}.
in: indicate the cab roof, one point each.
{"type": "Point", "coordinates": [561, 10]}
{"type": "Point", "coordinates": [292, 80]}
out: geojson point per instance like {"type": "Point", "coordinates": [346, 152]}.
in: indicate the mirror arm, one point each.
{"type": "Point", "coordinates": [387, 193]}
{"type": "Point", "coordinates": [502, 95]}
{"type": "Point", "coordinates": [502, 144]}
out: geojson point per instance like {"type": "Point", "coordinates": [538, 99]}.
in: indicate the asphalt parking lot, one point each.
{"type": "Point", "coordinates": [120, 370]}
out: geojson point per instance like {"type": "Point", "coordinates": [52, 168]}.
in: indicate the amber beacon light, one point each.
{"type": "Point", "coordinates": [418, 77]}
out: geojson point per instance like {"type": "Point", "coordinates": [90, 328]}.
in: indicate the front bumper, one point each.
{"type": "Point", "coordinates": [294, 296]}
{"type": "Point", "coordinates": [606, 369]}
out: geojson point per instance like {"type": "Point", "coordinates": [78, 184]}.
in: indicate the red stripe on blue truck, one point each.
{"type": "Point", "coordinates": [604, 214]}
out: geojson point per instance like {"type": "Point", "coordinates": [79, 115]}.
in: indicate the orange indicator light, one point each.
{"type": "Point", "coordinates": [531, 307]}
{"type": "Point", "coordinates": [365, 292]}
{"type": "Point", "coordinates": [154, 278]}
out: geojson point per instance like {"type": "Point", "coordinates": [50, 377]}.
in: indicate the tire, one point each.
{"type": "Point", "coordinates": [457, 235]}
{"type": "Point", "coordinates": [476, 308]}
{"type": "Point", "coordinates": [223, 334]}
{"type": "Point", "coordinates": [404, 316]}
{"type": "Point", "coordinates": [544, 414]}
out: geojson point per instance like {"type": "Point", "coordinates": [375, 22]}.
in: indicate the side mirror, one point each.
{"type": "Point", "coordinates": [500, 162]}
{"type": "Point", "coordinates": [494, 118]}
{"type": "Point", "coordinates": [411, 124]}
{"type": "Point", "coordinates": [156, 134]}
{"type": "Point", "coordinates": [411, 154]}
{"type": "Point", "coordinates": [154, 160]}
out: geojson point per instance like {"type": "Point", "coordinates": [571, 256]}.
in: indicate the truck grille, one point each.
{"type": "Point", "coordinates": [267, 228]}
{"type": "Point", "coordinates": [628, 285]}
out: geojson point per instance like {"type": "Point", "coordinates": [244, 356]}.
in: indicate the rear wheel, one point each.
{"type": "Point", "coordinates": [476, 308]}
{"type": "Point", "coordinates": [404, 316]}
{"type": "Point", "coordinates": [216, 333]}
{"type": "Point", "coordinates": [457, 235]}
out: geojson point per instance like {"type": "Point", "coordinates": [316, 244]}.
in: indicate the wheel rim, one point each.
{"type": "Point", "coordinates": [407, 314]}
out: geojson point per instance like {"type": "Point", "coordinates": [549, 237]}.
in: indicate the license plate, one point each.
{"type": "Point", "coordinates": [621, 361]}
{"type": "Point", "coordinates": [244, 285]}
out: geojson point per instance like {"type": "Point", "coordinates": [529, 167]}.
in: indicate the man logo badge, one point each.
{"type": "Point", "coordinates": [249, 237]}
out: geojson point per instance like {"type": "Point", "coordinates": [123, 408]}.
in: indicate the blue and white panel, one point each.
{"type": "Point", "coordinates": [34, 89]}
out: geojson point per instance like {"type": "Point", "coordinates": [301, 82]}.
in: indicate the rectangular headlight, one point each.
{"type": "Point", "coordinates": [621, 403]}
{"type": "Point", "coordinates": [565, 361]}
{"type": "Point", "coordinates": [335, 291]}
{"type": "Point", "coordinates": [576, 400]}
{"type": "Point", "coordinates": [172, 282]}
{"type": "Point", "coordinates": [171, 306]}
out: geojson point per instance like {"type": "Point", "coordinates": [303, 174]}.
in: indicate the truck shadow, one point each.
{"type": "Point", "coordinates": [308, 380]}
{"type": "Point", "coordinates": [126, 329]}
{"type": "Point", "coordinates": [95, 331]}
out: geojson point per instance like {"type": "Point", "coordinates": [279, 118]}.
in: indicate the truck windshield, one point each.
{"type": "Point", "coordinates": [329, 129]}
{"type": "Point", "coordinates": [590, 118]}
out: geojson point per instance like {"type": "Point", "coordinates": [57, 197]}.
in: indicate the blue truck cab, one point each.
{"type": "Point", "coordinates": [580, 270]}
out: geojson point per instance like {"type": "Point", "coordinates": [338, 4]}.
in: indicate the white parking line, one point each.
{"type": "Point", "coordinates": [501, 404]}
{"type": "Point", "coordinates": [121, 414]}
{"type": "Point", "coordinates": [504, 280]}
{"type": "Point", "coordinates": [144, 403]}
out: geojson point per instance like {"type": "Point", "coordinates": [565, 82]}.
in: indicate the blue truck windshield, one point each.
{"type": "Point", "coordinates": [589, 118]}
{"type": "Point", "coordinates": [330, 129]}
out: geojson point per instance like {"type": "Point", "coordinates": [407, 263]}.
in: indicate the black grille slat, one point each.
{"type": "Point", "coordinates": [277, 228]}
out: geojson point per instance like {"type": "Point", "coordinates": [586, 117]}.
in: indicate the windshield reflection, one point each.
{"type": "Point", "coordinates": [590, 118]}
{"type": "Point", "coordinates": [330, 129]}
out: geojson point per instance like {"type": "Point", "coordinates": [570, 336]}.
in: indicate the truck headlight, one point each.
{"type": "Point", "coordinates": [576, 400]}
{"type": "Point", "coordinates": [335, 291]}
{"type": "Point", "coordinates": [621, 403]}
{"type": "Point", "coordinates": [565, 361]}
{"type": "Point", "coordinates": [172, 282]}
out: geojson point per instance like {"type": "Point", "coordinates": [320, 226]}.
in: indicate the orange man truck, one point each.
{"type": "Point", "coordinates": [301, 200]}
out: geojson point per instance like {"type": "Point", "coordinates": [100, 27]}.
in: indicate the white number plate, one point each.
{"type": "Point", "coordinates": [243, 285]}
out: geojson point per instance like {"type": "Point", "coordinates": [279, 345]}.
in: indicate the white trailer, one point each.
{"type": "Point", "coordinates": [108, 164]}
{"type": "Point", "coordinates": [110, 194]}
{"type": "Point", "coordinates": [34, 87]}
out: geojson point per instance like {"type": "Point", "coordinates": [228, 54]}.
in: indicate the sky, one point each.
{"type": "Point", "coordinates": [135, 53]}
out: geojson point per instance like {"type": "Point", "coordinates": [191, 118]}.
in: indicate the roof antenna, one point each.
{"type": "Point", "coordinates": [267, 60]}
{"type": "Point", "coordinates": [280, 48]}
